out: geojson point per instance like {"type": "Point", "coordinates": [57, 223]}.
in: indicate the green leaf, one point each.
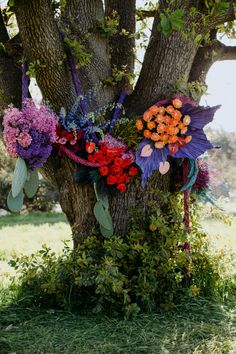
{"type": "Point", "coordinates": [176, 19]}
{"type": "Point", "coordinates": [198, 38]}
{"type": "Point", "coordinates": [177, 13]}
{"type": "Point", "coordinates": [11, 3]}
{"type": "Point", "coordinates": [105, 232]}
{"type": "Point", "coordinates": [221, 7]}
{"type": "Point", "coordinates": [19, 177]}
{"type": "Point", "coordinates": [15, 204]}
{"type": "Point", "coordinates": [32, 183]}
{"type": "Point", "coordinates": [177, 24]}
{"type": "Point", "coordinates": [101, 195]}
{"type": "Point", "coordinates": [165, 25]}
{"type": "Point", "coordinates": [105, 202]}
{"type": "Point", "coordinates": [102, 215]}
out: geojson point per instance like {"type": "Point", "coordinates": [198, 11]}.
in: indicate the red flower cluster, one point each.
{"type": "Point", "coordinates": [64, 137]}
{"type": "Point", "coordinates": [117, 170]}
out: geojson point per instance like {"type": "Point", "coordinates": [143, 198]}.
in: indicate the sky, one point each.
{"type": "Point", "coordinates": [221, 81]}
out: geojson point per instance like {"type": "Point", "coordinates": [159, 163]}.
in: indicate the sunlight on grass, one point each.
{"type": "Point", "coordinates": [221, 235]}
{"type": "Point", "coordinates": [222, 242]}
{"type": "Point", "coordinates": [25, 234]}
{"type": "Point", "coordinates": [28, 238]}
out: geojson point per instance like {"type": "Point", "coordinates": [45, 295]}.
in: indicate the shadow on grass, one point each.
{"type": "Point", "coordinates": [32, 218]}
{"type": "Point", "coordinates": [196, 327]}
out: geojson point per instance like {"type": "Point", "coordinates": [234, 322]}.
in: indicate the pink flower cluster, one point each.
{"type": "Point", "coordinates": [17, 125]}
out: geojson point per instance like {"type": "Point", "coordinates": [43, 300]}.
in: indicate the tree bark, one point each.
{"type": "Point", "coordinates": [207, 55]}
{"type": "Point", "coordinates": [82, 22]}
{"type": "Point", "coordinates": [10, 74]}
{"type": "Point", "coordinates": [42, 41]}
{"type": "Point", "coordinates": [122, 47]}
{"type": "Point", "coordinates": [167, 59]}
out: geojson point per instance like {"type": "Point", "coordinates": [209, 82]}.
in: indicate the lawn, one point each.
{"type": "Point", "coordinates": [196, 327]}
{"type": "Point", "coordinates": [199, 327]}
{"type": "Point", "coordinates": [24, 234]}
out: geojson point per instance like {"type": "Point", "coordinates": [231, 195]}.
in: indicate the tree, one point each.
{"type": "Point", "coordinates": [181, 49]}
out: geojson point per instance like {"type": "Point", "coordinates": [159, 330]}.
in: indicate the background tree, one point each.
{"type": "Point", "coordinates": [182, 47]}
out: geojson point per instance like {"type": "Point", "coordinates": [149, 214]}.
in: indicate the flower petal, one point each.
{"type": "Point", "coordinates": [197, 146]}
{"type": "Point", "coordinates": [151, 163]}
{"type": "Point", "coordinates": [200, 116]}
{"type": "Point", "coordinates": [185, 100]}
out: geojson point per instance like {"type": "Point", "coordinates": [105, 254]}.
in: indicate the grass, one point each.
{"type": "Point", "coordinates": [199, 327]}
{"type": "Point", "coordinates": [196, 327]}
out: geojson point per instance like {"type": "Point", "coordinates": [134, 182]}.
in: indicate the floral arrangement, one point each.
{"type": "Point", "coordinates": [172, 127]}
{"type": "Point", "coordinates": [116, 163]}
{"type": "Point", "coordinates": [103, 160]}
{"type": "Point", "coordinates": [28, 135]}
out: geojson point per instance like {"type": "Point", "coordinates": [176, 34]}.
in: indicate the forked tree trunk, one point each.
{"type": "Point", "coordinates": [165, 64]}
{"type": "Point", "coordinates": [167, 59]}
{"type": "Point", "coordinates": [172, 62]}
{"type": "Point", "coordinates": [77, 202]}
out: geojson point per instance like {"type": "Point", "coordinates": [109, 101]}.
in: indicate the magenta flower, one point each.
{"type": "Point", "coordinates": [24, 139]}
{"type": "Point", "coordinates": [174, 128]}
{"type": "Point", "coordinates": [30, 133]}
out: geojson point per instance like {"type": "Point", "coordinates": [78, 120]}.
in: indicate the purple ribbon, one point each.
{"type": "Point", "coordinates": [117, 111]}
{"type": "Point", "coordinates": [74, 74]}
{"type": "Point", "coordinates": [25, 82]}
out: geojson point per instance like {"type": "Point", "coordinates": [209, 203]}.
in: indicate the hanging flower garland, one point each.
{"type": "Point", "coordinates": [170, 128]}
{"type": "Point", "coordinates": [103, 160]}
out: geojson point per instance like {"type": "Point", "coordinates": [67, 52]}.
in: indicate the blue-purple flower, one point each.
{"type": "Point", "coordinates": [37, 153]}
{"type": "Point", "coordinates": [174, 128]}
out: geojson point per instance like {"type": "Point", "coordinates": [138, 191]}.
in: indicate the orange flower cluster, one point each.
{"type": "Point", "coordinates": [165, 125]}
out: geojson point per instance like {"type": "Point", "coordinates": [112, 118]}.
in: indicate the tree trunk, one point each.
{"type": "Point", "coordinates": [167, 59]}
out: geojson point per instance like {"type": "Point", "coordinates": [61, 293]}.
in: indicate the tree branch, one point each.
{"type": "Point", "coordinates": [10, 78]}
{"type": "Point", "coordinates": [122, 46]}
{"type": "Point", "coordinates": [3, 31]}
{"type": "Point", "coordinates": [167, 59]}
{"type": "Point", "coordinates": [82, 19]}
{"type": "Point", "coordinates": [224, 52]}
{"type": "Point", "coordinates": [42, 43]}
{"type": "Point", "coordinates": [143, 14]}
{"type": "Point", "coordinates": [207, 55]}
{"type": "Point", "coordinates": [229, 15]}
